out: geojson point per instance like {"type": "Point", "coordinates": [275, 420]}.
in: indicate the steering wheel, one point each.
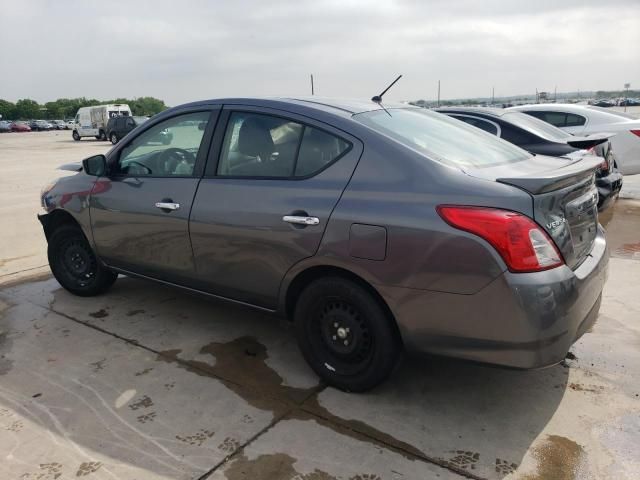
{"type": "Point", "coordinates": [171, 157]}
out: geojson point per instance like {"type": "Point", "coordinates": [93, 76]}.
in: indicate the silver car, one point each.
{"type": "Point", "coordinates": [375, 229]}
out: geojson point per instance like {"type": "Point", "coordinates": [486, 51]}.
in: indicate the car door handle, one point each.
{"type": "Point", "coordinates": [167, 205]}
{"type": "Point", "coordinates": [301, 220]}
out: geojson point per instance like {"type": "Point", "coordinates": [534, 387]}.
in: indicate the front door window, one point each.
{"type": "Point", "coordinates": [167, 149]}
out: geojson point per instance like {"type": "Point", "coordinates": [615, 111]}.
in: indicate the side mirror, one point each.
{"type": "Point", "coordinates": [95, 166]}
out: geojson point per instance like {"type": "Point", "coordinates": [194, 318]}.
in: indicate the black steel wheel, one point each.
{"type": "Point", "coordinates": [76, 135]}
{"type": "Point", "coordinates": [345, 334]}
{"type": "Point", "coordinates": [74, 264]}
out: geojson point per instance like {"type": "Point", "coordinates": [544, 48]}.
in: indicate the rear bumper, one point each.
{"type": "Point", "coordinates": [608, 187]}
{"type": "Point", "coordinates": [522, 320]}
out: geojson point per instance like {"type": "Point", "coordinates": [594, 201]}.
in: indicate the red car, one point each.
{"type": "Point", "coordinates": [20, 127]}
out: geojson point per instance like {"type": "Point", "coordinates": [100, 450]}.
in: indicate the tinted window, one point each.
{"type": "Point", "coordinates": [259, 146]}
{"type": "Point", "coordinates": [574, 120]}
{"type": "Point", "coordinates": [317, 150]}
{"type": "Point", "coordinates": [517, 136]}
{"type": "Point", "coordinates": [442, 138]}
{"type": "Point", "coordinates": [556, 119]}
{"type": "Point", "coordinates": [479, 123]}
{"type": "Point", "coordinates": [167, 149]}
{"type": "Point", "coordinates": [536, 126]}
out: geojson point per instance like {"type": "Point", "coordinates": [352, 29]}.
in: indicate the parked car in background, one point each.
{"type": "Point", "coordinates": [372, 229]}
{"type": "Point", "coordinates": [586, 119]}
{"type": "Point", "coordinates": [604, 103]}
{"type": "Point", "coordinates": [5, 126]}
{"type": "Point", "coordinates": [118, 127]}
{"type": "Point", "coordinates": [41, 125]}
{"type": "Point", "coordinates": [92, 121]}
{"type": "Point", "coordinates": [58, 124]}
{"type": "Point", "coordinates": [541, 138]}
{"type": "Point", "coordinates": [20, 127]}
{"type": "Point", "coordinates": [629, 102]}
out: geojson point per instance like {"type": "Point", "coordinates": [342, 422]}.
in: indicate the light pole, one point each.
{"type": "Point", "coordinates": [626, 98]}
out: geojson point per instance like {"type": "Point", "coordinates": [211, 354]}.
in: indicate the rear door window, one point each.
{"type": "Point", "coordinates": [558, 119]}
{"type": "Point", "coordinates": [317, 150]}
{"type": "Point", "coordinates": [266, 146]}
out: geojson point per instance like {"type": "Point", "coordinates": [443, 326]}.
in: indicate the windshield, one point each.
{"type": "Point", "coordinates": [536, 126]}
{"type": "Point", "coordinates": [442, 138]}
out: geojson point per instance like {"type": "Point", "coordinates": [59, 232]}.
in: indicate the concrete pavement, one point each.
{"type": "Point", "coordinates": [147, 382]}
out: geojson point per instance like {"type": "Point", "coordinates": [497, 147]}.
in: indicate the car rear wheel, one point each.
{"type": "Point", "coordinates": [76, 136]}
{"type": "Point", "coordinates": [74, 264]}
{"type": "Point", "coordinates": [101, 135]}
{"type": "Point", "coordinates": [114, 138]}
{"type": "Point", "coordinates": [345, 335]}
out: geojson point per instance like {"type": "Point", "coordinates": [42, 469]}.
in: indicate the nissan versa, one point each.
{"type": "Point", "coordinates": [374, 228]}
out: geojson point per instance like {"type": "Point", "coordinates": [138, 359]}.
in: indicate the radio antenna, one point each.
{"type": "Point", "coordinates": [378, 98]}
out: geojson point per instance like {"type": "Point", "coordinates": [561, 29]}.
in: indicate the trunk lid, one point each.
{"type": "Point", "coordinates": [565, 198]}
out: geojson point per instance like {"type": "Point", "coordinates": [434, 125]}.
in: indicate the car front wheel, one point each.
{"type": "Point", "coordinates": [345, 334]}
{"type": "Point", "coordinates": [76, 136]}
{"type": "Point", "coordinates": [74, 264]}
{"type": "Point", "coordinates": [114, 138]}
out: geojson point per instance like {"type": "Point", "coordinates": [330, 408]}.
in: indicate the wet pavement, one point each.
{"type": "Point", "coordinates": [147, 382]}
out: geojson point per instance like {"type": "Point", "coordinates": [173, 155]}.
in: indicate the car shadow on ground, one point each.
{"type": "Point", "coordinates": [463, 416]}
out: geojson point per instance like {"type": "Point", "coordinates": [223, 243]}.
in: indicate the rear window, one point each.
{"type": "Point", "coordinates": [442, 138]}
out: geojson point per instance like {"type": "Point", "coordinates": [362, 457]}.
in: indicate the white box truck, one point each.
{"type": "Point", "coordinates": [92, 121]}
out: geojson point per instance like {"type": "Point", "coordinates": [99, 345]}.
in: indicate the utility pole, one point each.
{"type": "Point", "coordinates": [493, 95]}
{"type": "Point", "coordinates": [438, 93]}
{"type": "Point", "coordinates": [555, 94]}
{"type": "Point", "coordinates": [312, 91]}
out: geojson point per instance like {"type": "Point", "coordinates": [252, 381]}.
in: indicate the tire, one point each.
{"type": "Point", "coordinates": [74, 264]}
{"type": "Point", "coordinates": [76, 136]}
{"type": "Point", "coordinates": [345, 334]}
{"type": "Point", "coordinates": [102, 135]}
{"type": "Point", "coordinates": [114, 138]}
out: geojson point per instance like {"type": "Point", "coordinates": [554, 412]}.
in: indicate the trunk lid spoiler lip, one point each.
{"type": "Point", "coordinates": [589, 141]}
{"type": "Point", "coordinates": [555, 179]}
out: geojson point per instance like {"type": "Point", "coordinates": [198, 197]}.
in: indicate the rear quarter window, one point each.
{"type": "Point", "coordinates": [574, 120]}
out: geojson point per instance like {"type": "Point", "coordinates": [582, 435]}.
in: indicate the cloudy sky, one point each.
{"type": "Point", "coordinates": [194, 49]}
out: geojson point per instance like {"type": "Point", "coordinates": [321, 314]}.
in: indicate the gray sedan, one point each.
{"type": "Point", "coordinates": [374, 229]}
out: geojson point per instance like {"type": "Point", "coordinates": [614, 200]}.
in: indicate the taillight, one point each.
{"type": "Point", "coordinates": [635, 132]}
{"type": "Point", "coordinates": [521, 243]}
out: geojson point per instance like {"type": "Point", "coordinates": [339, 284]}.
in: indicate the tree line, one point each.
{"type": "Point", "coordinates": [64, 108]}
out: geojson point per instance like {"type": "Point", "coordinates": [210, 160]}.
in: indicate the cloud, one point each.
{"type": "Point", "coordinates": [182, 51]}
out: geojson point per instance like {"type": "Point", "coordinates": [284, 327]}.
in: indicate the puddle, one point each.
{"type": "Point", "coordinates": [622, 225]}
{"type": "Point", "coordinates": [358, 430]}
{"type": "Point", "coordinates": [243, 361]}
{"type": "Point", "coordinates": [558, 458]}
{"type": "Point", "coordinates": [272, 466]}
{"type": "Point", "coordinates": [6, 343]}
{"type": "Point", "coordinates": [241, 364]}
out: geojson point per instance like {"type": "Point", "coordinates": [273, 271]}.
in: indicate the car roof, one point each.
{"type": "Point", "coordinates": [496, 112]}
{"type": "Point", "coordinates": [596, 115]}
{"type": "Point", "coordinates": [345, 107]}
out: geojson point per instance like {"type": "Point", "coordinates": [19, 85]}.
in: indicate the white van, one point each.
{"type": "Point", "coordinates": [92, 121]}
